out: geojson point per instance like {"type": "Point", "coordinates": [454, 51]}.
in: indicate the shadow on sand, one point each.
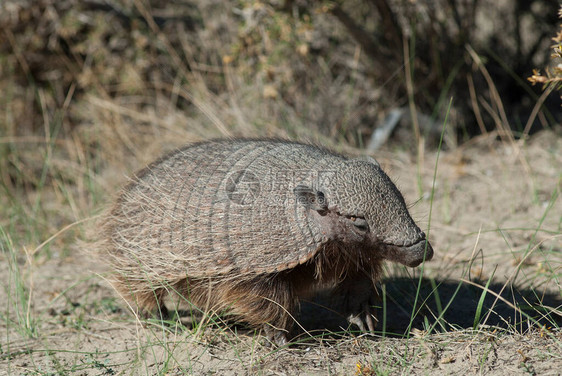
{"type": "Point", "coordinates": [446, 305]}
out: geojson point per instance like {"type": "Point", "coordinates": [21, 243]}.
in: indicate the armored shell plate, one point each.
{"type": "Point", "coordinates": [219, 207]}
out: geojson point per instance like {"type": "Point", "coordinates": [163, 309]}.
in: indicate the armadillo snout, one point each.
{"type": "Point", "coordinates": [411, 255]}
{"type": "Point", "coordinates": [416, 253]}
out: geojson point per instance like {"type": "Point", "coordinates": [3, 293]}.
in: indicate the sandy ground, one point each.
{"type": "Point", "coordinates": [496, 216]}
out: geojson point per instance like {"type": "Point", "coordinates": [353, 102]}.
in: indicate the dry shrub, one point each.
{"type": "Point", "coordinates": [330, 66]}
{"type": "Point", "coordinates": [422, 53]}
{"type": "Point", "coordinates": [553, 79]}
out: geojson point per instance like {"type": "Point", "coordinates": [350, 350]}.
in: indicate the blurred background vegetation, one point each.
{"type": "Point", "coordinates": [90, 84]}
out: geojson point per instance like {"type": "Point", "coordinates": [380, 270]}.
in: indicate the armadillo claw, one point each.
{"type": "Point", "coordinates": [364, 320]}
{"type": "Point", "coordinates": [275, 336]}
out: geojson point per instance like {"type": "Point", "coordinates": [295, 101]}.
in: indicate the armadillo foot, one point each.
{"type": "Point", "coordinates": [364, 320]}
{"type": "Point", "coordinates": [275, 336]}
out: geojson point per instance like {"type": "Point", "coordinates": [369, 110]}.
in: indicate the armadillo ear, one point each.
{"type": "Point", "coordinates": [311, 198]}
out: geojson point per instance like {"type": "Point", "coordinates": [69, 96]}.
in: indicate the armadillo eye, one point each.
{"type": "Point", "coordinates": [359, 223]}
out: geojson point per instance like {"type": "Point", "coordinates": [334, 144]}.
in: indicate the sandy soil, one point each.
{"type": "Point", "coordinates": [496, 217]}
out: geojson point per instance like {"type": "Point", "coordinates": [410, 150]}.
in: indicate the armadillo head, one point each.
{"type": "Point", "coordinates": [359, 203]}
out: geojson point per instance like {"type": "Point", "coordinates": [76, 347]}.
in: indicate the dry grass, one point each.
{"type": "Point", "coordinates": [91, 92]}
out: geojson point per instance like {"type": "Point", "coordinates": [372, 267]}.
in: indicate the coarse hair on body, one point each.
{"type": "Point", "coordinates": [266, 299]}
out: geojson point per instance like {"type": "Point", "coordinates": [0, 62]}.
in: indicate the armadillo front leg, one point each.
{"type": "Point", "coordinates": [359, 298]}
